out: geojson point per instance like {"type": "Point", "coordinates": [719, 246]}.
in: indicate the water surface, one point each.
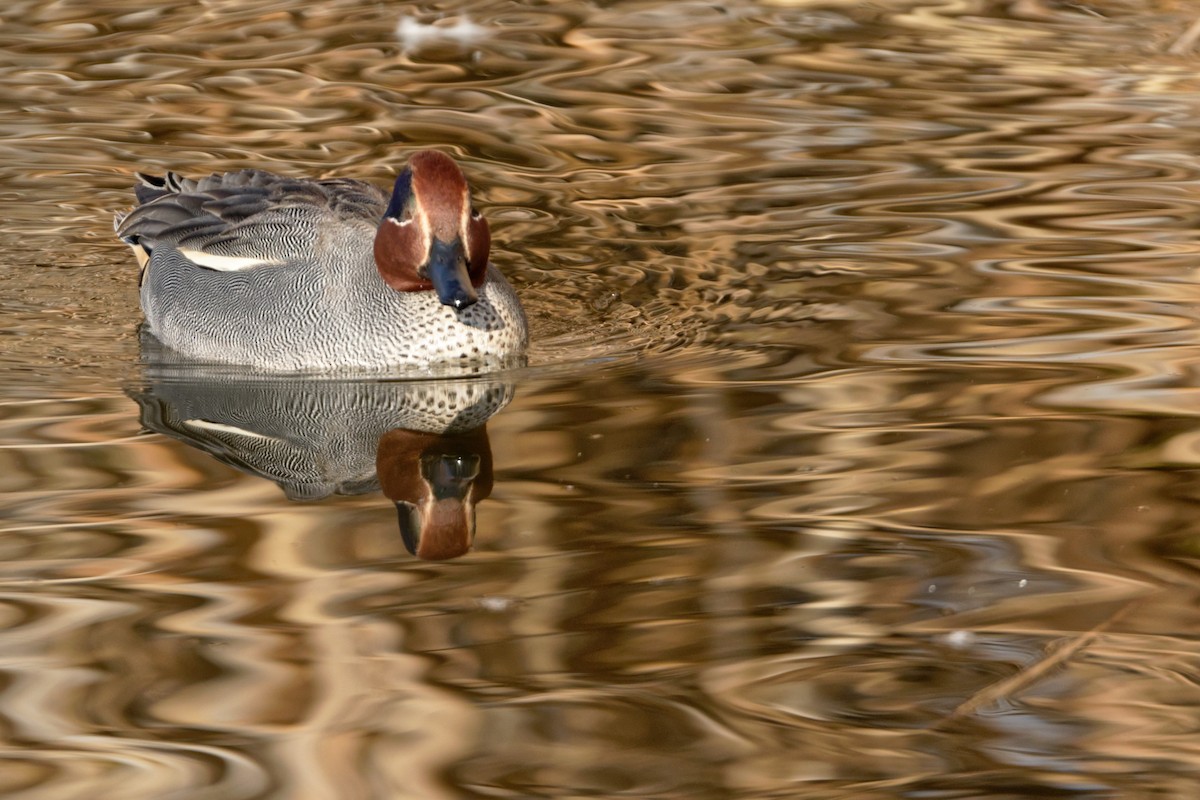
{"type": "Point", "coordinates": [856, 455]}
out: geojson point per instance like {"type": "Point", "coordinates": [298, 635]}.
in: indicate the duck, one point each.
{"type": "Point", "coordinates": [286, 274]}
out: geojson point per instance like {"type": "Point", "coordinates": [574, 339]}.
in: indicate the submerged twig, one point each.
{"type": "Point", "coordinates": [1186, 41]}
{"type": "Point", "coordinates": [1009, 686]}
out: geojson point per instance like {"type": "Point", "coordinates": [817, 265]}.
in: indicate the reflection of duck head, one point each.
{"type": "Point", "coordinates": [436, 482]}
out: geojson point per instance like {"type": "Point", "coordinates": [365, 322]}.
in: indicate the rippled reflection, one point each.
{"type": "Point", "coordinates": [855, 457]}
{"type": "Point", "coordinates": [424, 443]}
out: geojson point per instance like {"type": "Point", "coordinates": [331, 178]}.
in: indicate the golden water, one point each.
{"type": "Point", "coordinates": [857, 455]}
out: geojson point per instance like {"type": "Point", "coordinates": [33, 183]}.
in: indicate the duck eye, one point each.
{"type": "Point", "coordinates": [474, 213]}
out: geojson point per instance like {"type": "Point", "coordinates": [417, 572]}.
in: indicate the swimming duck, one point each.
{"type": "Point", "coordinates": [286, 274]}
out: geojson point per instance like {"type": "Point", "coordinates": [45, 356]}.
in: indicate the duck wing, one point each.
{"type": "Point", "coordinates": [243, 220]}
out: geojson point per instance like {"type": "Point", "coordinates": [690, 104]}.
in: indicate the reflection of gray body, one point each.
{"type": "Point", "coordinates": [312, 437]}
{"type": "Point", "coordinates": [254, 268]}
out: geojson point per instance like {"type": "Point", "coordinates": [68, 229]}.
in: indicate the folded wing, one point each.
{"type": "Point", "coordinates": [242, 220]}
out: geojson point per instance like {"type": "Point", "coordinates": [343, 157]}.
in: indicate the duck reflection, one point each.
{"type": "Point", "coordinates": [424, 443]}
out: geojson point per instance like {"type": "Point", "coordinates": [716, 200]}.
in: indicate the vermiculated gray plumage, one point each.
{"type": "Point", "coordinates": [254, 268]}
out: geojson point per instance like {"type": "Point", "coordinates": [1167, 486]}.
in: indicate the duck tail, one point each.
{"type": "Point", "coordinates": [152, 187]}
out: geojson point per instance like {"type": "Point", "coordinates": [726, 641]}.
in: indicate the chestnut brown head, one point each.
{"type": "Point", "coordinates": [431, 238]}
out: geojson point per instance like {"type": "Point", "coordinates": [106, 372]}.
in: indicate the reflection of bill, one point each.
{"type": "Point", "coordinates": [423, 442]}
{"type": "Point", "coordinates": [436, 482]}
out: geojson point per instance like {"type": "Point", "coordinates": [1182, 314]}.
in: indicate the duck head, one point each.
{"type": "Point", "coordinates": [431, 238]}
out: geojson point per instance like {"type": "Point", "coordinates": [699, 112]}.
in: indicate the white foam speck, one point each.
{"type": "Point", "coordinates": [413, 34]}
{"type": "Point", "coordinates": [496, 603]}
{"type": "Point", "coordinates": [959, 640]}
